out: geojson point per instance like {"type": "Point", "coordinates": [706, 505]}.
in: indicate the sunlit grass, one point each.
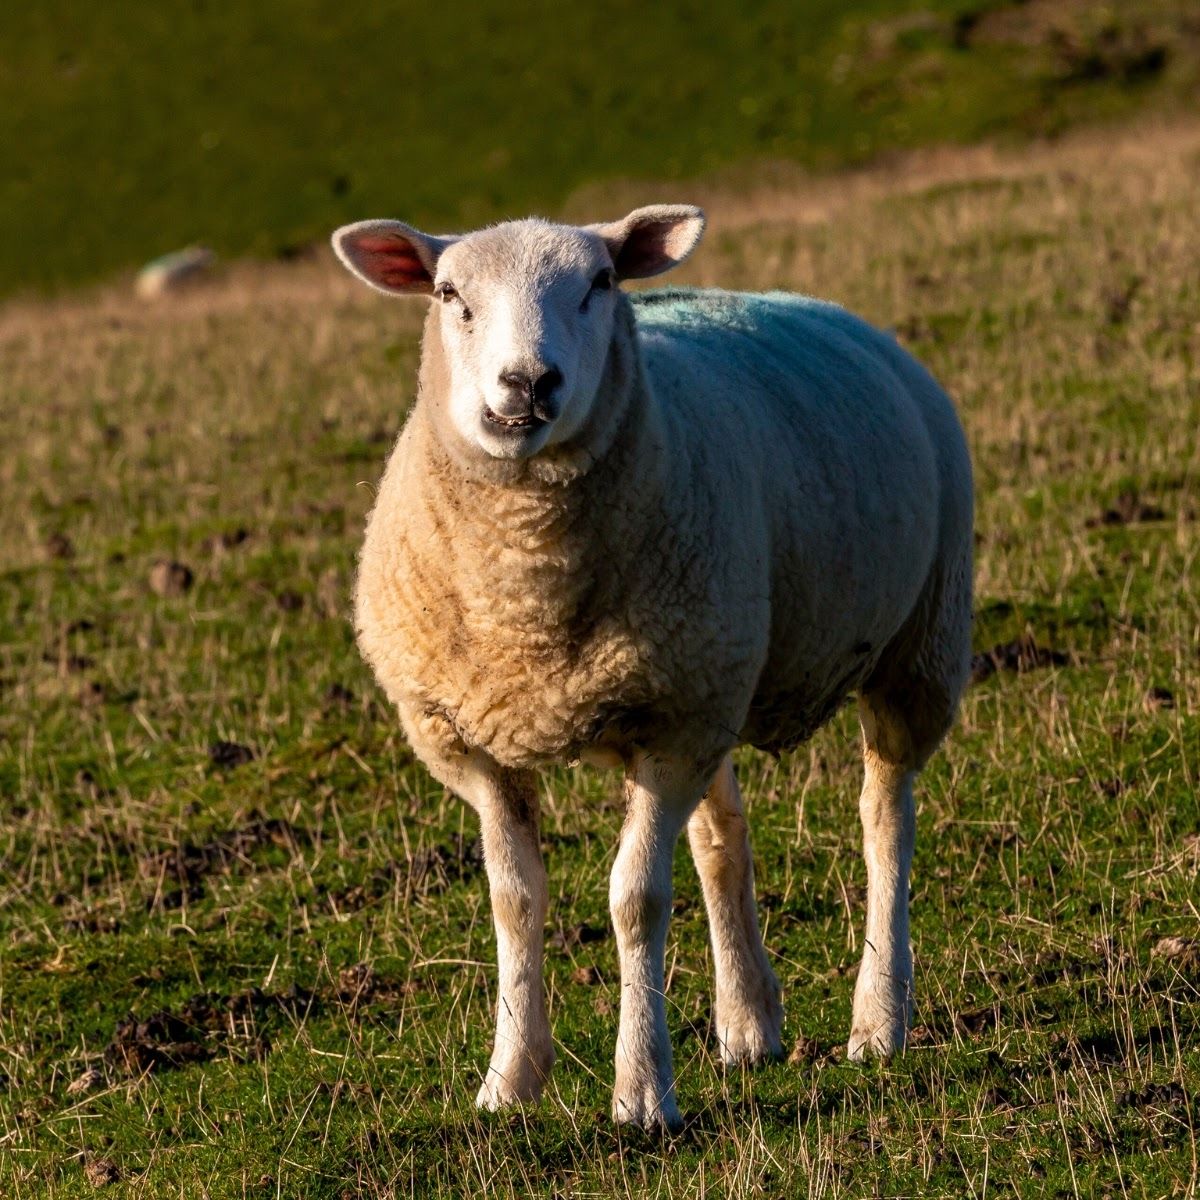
{"type": "Point", "coordinates": [238, 430]}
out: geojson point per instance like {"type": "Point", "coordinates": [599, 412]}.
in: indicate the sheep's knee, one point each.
{"type": "Point", "coordinates": [638, 912]}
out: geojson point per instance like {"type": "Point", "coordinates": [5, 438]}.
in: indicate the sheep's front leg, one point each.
{"type": "Point", "coordinates": [523, 1052]}
{"type": "Point", "coordinates": [747, 1013]}
{"type": "Point", "coordinates": [507, 803]}
{"type": "Point", "coordinates": [659, 797]}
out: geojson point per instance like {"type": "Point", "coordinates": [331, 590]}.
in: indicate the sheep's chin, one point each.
{"type": "Point", "coordinates": [511, 442]}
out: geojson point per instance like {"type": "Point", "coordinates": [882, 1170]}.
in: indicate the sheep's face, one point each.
{"type": "Point", "coordinates": [525, 313]}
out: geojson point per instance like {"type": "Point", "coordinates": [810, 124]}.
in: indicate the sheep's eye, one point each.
{"type": "Point", "coordinates": [447, 293]}
{"type": "Point", "coordinates": [602, 283]}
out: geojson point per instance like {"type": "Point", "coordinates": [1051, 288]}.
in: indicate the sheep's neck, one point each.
{"type": "Point", "coordinates": [539, 551]}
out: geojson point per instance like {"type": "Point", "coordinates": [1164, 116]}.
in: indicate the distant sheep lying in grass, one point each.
{"type": "Point", "coordinates": [638, 531]}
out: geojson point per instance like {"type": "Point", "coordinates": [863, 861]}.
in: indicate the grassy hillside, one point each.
{"type": "Point", "coordinates": [245, 948]}
{"type": "Point", "coordinates": [129, 130]}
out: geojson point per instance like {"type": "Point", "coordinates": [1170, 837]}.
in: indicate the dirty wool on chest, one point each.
{"type": "Point", "coordinates": [540, 658]}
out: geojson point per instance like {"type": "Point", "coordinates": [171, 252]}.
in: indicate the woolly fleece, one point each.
{"type": "Point", "coordinates": [771, 508]}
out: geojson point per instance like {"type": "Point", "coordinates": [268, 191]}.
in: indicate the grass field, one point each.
{"type": "Point", "coordinates": [132, 129]}
{"type": "Point", "coordinates": [245, 945]}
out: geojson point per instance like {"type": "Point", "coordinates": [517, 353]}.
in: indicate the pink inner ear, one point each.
{"type": "Point", "coordinates": [647, 250]}
{"type": "Point", "coordinates": [390, 260]}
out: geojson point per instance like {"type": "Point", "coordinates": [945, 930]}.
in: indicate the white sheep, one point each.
{"type": "Point", "coordinates": [638, 531]}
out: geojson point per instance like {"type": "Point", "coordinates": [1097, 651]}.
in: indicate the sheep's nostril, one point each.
{"type": "Point", "coordinates": [546, 384]}
{"type": "Point", "coordinates": [518, 382]}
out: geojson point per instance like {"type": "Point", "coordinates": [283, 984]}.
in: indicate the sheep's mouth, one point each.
{"type": "Point", "coordinates": [528, 421]}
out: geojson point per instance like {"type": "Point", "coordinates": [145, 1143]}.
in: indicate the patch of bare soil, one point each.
{"type": "Point", "coordinates": [1127, 509]}
{"type": "Point", "coordinates": [426, 872]}
{"type": "Point", "coordinates": [209, 1024]}
{"type": "Point", "coordinates": [180, 871]}
{"type": "Point", "coordinates": [206, 1025]}
{"type": "Point", "coordinates": [1020, 655]}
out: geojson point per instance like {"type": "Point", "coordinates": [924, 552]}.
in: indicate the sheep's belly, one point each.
{"type": "Point", "coordinates": [785, 720]}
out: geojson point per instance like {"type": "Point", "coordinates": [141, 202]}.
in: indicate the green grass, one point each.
{"type": "Point", "coordinates": [133, 129]}
{"type": "Point", "coordinates": [237, 430]}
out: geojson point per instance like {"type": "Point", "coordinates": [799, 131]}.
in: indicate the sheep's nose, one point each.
{"type": "Point", "coordinates": [537, 391]}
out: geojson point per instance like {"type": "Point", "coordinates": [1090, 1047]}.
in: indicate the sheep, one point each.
{"type": "Point", "coordinates": [638, 530]}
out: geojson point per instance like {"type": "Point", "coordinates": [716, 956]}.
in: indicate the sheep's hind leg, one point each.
{"type": "Point", "coordinates": [883, 993]}
{"type": "Point", "coordinates": [747, 1012]}
{"type": "Point", "coordinates": [903, 719]}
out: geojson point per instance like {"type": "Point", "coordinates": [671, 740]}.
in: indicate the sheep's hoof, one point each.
{"type": "Point", "coordinates": [647, 1109]}
{"type": "Point", "coordinates": [496, 1094]}
{"type": "Point", "coordinates": [749, 1049]}
{"type": "Point", "coordinates": [512, 1084]}
{"type": "Point", "coordinates": [881, 1040]}
{"type": "Point", "coordinates": [748, 1019]}
{"type": "Point", "coordinates": [882, 1006]}
{"type": "Point", "coordinates": [753, 1037]}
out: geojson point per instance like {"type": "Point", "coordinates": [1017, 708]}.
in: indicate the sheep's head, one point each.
{"type": "Point", "coordinates": [525, 312]}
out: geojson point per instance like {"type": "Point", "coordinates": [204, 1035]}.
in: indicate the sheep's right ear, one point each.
{"type": "Point", "coordinates": [652, 240]}
{"type": "Point", "coordinates": [390, 256]}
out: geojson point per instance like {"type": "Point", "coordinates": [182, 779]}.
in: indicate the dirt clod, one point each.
{"type": "Point", "coordinates": [1181, 951]}
{"type": "Point", "coordinates": [169, 578]}
{"type": "Point", "coordinates": [356, 984]}
{"type": "Point", "coordinates": [1127, 509]}
{"type": "Point", "coordinates": [566, 938]}
{"type": "Point", "coordinates": [59, 546]}
{"type": "Point", "coordinates": [976, 1021]}
{"type": "Point", "coordinates": [805, 1050]}
{"type": "Point", "coordinates": [1020, 655]}
{"type": "Point", "coordinates": [100, 1172]}
{"type": "Point", "coordinates": [225, 755]}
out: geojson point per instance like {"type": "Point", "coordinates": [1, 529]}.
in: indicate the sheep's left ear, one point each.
{"type": "Point", "coordinates": [391, 256]}
{"type": "Point", "coordinates": [652, 240]}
